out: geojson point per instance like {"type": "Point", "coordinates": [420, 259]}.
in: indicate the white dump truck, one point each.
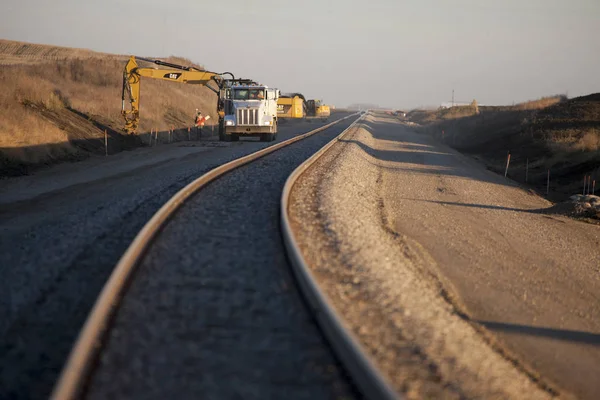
{"type": "Point", "coordinates": [244, 107]}
{"type": "Point", "coordinates": [250, 110]}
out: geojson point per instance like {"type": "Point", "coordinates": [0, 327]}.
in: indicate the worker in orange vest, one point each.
{"type": "Point", "coordinates": [200, 120]}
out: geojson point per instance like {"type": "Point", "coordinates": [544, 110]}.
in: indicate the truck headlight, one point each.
{"type": "Point", "coordinates": [267, 122]}
{"type": "Point", "coordinates": [229, 123]}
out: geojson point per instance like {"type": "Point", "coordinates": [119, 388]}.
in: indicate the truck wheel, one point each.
{"type": "Point", "coordinates": [224, 138]}
{"type": "Point", "coordinates": [235, 138]}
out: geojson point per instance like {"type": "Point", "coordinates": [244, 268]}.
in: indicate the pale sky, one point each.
{"type": "Point", "coordinates": [395, 53]}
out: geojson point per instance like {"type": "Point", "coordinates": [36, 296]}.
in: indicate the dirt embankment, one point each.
{"type": "Point", "coordinates": [551, 134]}
{"type": "Point", "coordinates": [56, 103]}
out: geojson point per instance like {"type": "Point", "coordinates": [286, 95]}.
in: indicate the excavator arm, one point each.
{"type": "Point", "coordinates": [174, 73]}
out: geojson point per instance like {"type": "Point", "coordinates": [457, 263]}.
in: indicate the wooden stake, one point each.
{"type": "Point", "coordinates": [507, 164]}
{"type": "Point", "coordinates": [105, 143]}
{"type": "Point", "coordinates": [588, 184]}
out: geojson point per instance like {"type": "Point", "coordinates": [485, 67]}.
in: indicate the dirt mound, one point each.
{"type": "Point", "coordinates": [551, 135]}
{"type": "Point", "coordinates": [56, 103]}
{"type": "Point", "coordinates": [579, 109]}
{"type": "Point", "coordinates": [586, 207]}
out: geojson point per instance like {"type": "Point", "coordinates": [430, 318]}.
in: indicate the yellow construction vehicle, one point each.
{"type": "Point", "coordinates": [315, 108]}
{"type": "Point", "coordinates": [291, 105]}
{"type": "Point", "coordinates": [176, 73]}
{"type": "Point", "coordinates": [245, 108]}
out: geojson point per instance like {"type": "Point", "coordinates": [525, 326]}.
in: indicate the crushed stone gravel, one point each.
{"type": "Point", "coordinates": [377, 280]}
{"type": "Point", "coordinates": [213, 311]}
{"type": "Point", "coordinates": [62, 230]}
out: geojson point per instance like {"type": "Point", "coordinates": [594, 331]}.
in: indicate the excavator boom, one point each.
{"type": "Point", "coordinates": [174, 73]}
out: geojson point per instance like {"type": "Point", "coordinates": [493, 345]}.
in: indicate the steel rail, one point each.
{"type": "Point", "coordinates": [83, 356]}
{"type": "Point", "coordinates": [346, 346]}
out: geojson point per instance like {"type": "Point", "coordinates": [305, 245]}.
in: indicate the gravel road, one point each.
{"type": "Point", "coordinates": [62, 231]}
{"type": "Point", "coordinates": [530, 278]}
{"type": "Point", "coordinates": [455, 280]}
{"type": "Point", "coordinates": [213, 311]}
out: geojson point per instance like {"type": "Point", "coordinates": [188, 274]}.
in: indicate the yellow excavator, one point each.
{"type": "Point", "coordinates": [295, 105]}
{"type": "Point", "coordinates": [175, 73]}
{"type": "Point", "coordinates": [316, 108]}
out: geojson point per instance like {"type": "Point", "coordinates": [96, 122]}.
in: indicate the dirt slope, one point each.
{"type": "Point", "coordinates": [555, 134]}
{"type": "Point", "coordinates": [56, 102]}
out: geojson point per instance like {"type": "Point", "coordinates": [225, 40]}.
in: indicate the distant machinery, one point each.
{"type": "Point", "coordinates": [291, 105]}
{"type": "Point", "coordinates": [295, 105]}
{"type": "Point", "coordinates": [315, 108]}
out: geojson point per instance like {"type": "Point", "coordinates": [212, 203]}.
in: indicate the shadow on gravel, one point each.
{"type": "Point", "coordinates": [551, 333]}
{"type": "Point", "coordinates": [411, 151]}
{"type": "Point", "coordinates": [485, 206]}
{"type": "Point", "coordinates": [568, 209]}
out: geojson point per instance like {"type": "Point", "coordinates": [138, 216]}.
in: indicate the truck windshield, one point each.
{"type": "Point", "coordinates": [248, 94]}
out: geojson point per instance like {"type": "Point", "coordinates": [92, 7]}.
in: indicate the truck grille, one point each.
{"type": "Point", "coordinates": [247, 116]}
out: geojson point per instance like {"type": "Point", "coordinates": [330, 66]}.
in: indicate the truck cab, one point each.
{"type": "Point", "coordinates": [249, 110]}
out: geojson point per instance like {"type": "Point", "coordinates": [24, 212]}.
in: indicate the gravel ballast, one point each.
{"type": "Point", "coordinates": [213, 311]}
{"type": "Point", "coordinates": [62, 230]}
{"type": "Point", "coordinates": [381, 284]}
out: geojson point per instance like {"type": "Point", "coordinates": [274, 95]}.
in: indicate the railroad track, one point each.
{"type": "Point", "coordinates": [213, 300]}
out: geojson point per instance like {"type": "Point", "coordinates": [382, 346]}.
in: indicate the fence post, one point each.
{"type": "Point", "coordinates": [507, 164]}
{"type": "Point", "coordinates": [589, 184]}
{"type": "Point", "coordinates": [105, 143]}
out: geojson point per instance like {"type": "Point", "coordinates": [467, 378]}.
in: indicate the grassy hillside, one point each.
{"type": "Point", "coordinates": [553, 133]}
{"type": "Point", "coordinates": [56, 102]}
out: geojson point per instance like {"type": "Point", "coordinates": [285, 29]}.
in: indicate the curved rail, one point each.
{"type": "Point", "coordinates": [347, 348]}
{"type": "Point", "coordinates": [87, 347]}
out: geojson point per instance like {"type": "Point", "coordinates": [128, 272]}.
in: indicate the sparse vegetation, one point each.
{"type": "Point", "coordinates": [552, 133]}
{"type": "Point", "coordinates": [53, 99]}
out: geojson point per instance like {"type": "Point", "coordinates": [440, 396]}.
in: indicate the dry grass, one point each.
{"type": "Point", "coordinates": [539, 104]}
{"type": "Point", "coordinates": [589, 141]}
{"type": "Point", "coordinates": [551, 133]}
{"type": "Point", "coordinates": [442, 114]}
{"type": "Point", "coordinates": [63, 80]}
